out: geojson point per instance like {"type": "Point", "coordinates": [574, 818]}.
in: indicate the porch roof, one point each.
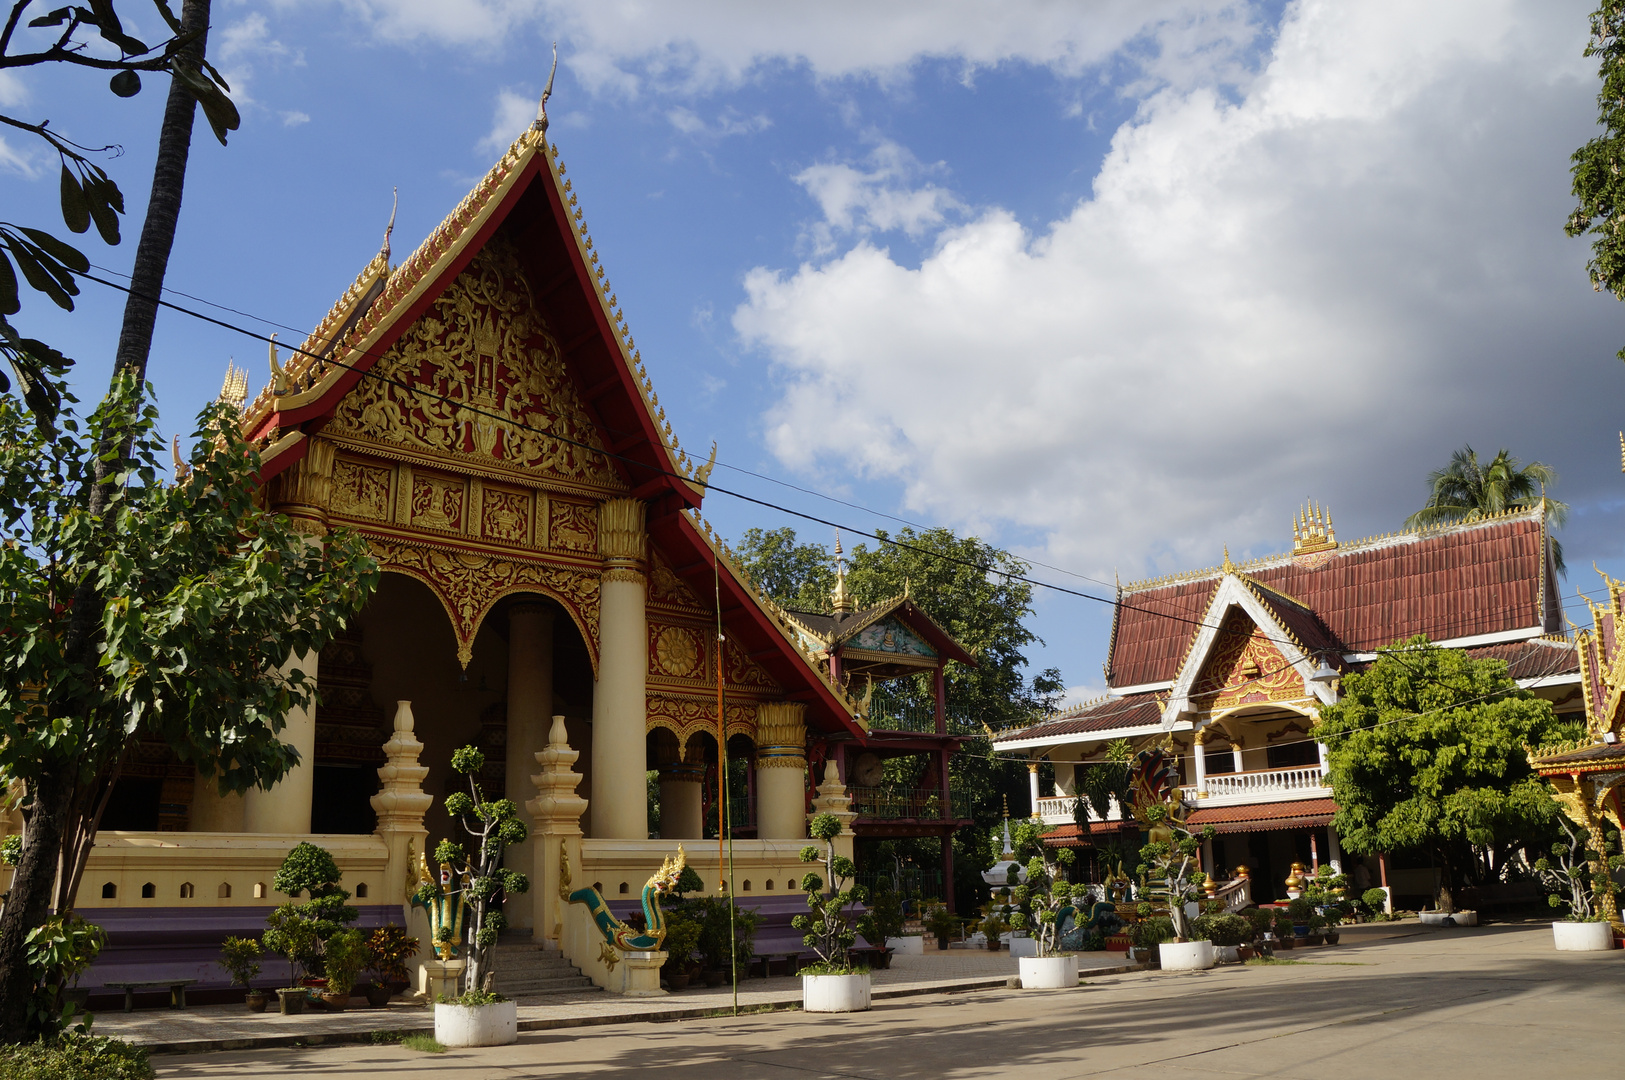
{"type": "Point", "coordinates": [1265, 817]}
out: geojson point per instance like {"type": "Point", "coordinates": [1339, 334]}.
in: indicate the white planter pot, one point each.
{"type": "Point", "coordinates": [1023, 948]}
{"type": "Point", "coordinates": [1227, 954]}
{"type": "Point", "coordinates": [835, 993]}
{"type": "Point", "coordinates": [1048, 972]}
{"type": "Point", "coordinates": [1186, 955]}
{"type": "Point", "coordinates": [906, 946]}
{"type": "Point", "coordinates": [1437, 918]}
{"type": "Point", "coordinates": [477, 1025]}
{"type": "Point", "coordinates": [1583, 936]}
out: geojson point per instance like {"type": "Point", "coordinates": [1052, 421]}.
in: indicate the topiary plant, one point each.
{"type": "Point", "coordinates": [1375, 901]}
{"type": "Point", "coordinates": [481, 877]}
{"type": "Point", "coordinates": [346, 955]}
{"type": "Point", "coordinates": [827, 930]}
{"type": "Point", "coordinates": [311, 869]}
{"type": "Point", "coordinates": [1041, 900]}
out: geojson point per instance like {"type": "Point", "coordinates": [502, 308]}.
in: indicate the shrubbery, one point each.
{"type": "Point", "coordinates": [75, 1057]}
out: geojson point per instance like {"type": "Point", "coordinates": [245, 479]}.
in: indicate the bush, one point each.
{"type": "Point", "coordinates": [1224, 929]}
{"type": "Point", "coordinates": [346, 955]}
{"type": "Point", "coordinates": [884, 919]}
{"type": "Point", "coordinates": [240, 956]}
{"type": "Point", "coordinates": [1375, 900]}
{"type": "Point", "coordinates": [388, 949]}
{"type": "Point", "coordinates": [682, 936]}
{"type": "Point", "coordinates": [75, 1057]}
{"type": "Point", "coordinates": [1260, 919]}
{"type": "Point", "coordinates": [1149, 933]}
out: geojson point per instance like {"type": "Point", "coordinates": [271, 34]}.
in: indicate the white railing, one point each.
{"type": "Point", "coordinates": [1236, 893]}
{"type": "Point", "coordinates": [1057, 810]}
{"type": "Point", "coordinates": [1266, 782]}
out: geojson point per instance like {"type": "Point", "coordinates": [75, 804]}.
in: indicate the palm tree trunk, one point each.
{"type": "Point", "coordinates": [163, 209]}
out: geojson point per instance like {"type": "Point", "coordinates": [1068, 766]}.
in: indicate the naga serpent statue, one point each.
{"type": "Point", "coordinates": [617, 933]}
{"type": "Point", "coordinates": [446, 907]}
{"type": "Point", "coordinates": [1101, 915]}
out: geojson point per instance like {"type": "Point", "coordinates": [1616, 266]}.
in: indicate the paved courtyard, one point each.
{"type": "Point", "coordinates": [1392, 1002]}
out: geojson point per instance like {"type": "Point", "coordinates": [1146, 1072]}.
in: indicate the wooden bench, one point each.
{"type": "Point", "coordinates": [177, 991]}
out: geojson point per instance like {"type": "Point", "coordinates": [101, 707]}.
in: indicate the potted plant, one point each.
{"type": "Point", "coordinates": [1146, 936]}
{"type": "Point", "coordinates": [307, 869]}
{"type": "Point", "coordinates": [343, 957]}
{"type": "Point", "coordinates": [388, 950]}
{"type": "Point", "coordinates": [941, 924]}
{"type": "Point", "coordinates": [727, 936]}
{"type": "Point", "coordinates": [240, 957]}
{"type": "Point", "coordinates": [1045, 900]}
{"type": "Point", "coordinates": [1286, 935]}
{"type": "Point", "coordinates": [477, 1017]}
{"type": "Point", "coordinates": [682, 937]}
{"type": "Point", "coordinates": [882, 926]}
{"type": "Point", "coordinates": [1575, 868]}
{"type": "Point", "coordinates": [832, 984]}
{"type": "Point", "coordinates": [1316, 930]}
{"type": "Point", "coordinates": [293, 938]}
{"type": "Point", "coordinates": [993, 928]}
{"type": "Point", "coordinates": [1171, 858]}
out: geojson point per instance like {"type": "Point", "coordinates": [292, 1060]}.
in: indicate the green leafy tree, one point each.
{"type": "Point", "coordinates": [974, 592]}
{"type": "Point", "coordinates": [827, 927]}
{"type": "Point", "coordinates": [312, 869]}
{"type": "Point", "coordinates": [1573, 865]}
{"type": "Point", "coordinates": [1170, 860]}
{"type": "Point", "coordinates": [1599, 185]}
{"type": "Point", "coordinates": [1468, 489]}
{"type": "Point", "coordinates": [1426, 752]}
{"type": "Point", "coordinates": [199, 595]}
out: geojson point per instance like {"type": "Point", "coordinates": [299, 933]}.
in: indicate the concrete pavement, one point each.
{"type": "Point", "coordinates": [1394, 1001]}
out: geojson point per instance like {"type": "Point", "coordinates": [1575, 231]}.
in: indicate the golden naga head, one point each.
{"type": "Point", "coordinates": [665, 879]}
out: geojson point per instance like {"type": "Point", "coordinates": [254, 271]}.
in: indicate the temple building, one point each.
{"type": "Point", "coordinates": [480, 414]}
{"type": "Point", "coordinates": [1231, 665]}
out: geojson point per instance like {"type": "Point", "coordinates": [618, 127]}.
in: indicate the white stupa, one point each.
{"type": "Point", "coordinates": [999, 876]}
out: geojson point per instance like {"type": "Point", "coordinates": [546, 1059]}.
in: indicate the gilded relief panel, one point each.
{"type": "Point", "coordinates": [677, 652]}
{"type": "Point", "coordinates": [505, 514]}
{"type": "Point", "coordinates": [480, 376]}
{"type": "Point", "coordinates": [687, 716]}
{"type": "Point", "coordinates": [361, 488]}
{"type": "Point", "coordinates": [437, 501]}
{"type": "Point", "coordinates": [573, 526]}
{"type": "Point", "coordinates": [665, 587]}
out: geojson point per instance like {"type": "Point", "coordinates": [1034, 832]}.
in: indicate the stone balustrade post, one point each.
{"type": "Point", "coordinates": [556, 826]}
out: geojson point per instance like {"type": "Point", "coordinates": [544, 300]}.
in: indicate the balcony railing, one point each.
{"type": "Point", "coordinates": [1264, 785]}
{"type": "Point", "coordinates": [1058, 810]}
{"type": "Point", "coordinates": [901, 803]}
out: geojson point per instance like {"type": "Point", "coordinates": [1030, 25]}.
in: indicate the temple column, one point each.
{"type": "Point", "coordinates": [1032, 785]}
{"type": "Point", "coordinates": [1334, 850]}
{"type": "Point", "coordinates": [555, 815]}
{"type": "Point", "coordinates": [1235, 750]}
{"type": "Point", "coordinates": [1199, 753]}
{"type": "Point", "coordinates": [212, 811]}
{"type": "Point", "coordinates": [682, 811]}
{"type": "Point", "coordinates": [302, 493]}
{"type": "Point", "coordinates": [781, 771]}
{"type": "Point", "coordinates": [530, 705]}
{"type": "Point", "coordinates": [619, 792]}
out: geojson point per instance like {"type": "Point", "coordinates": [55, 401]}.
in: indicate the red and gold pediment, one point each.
{"type": "Point", "coordinates": [1244, 667]}
{"type": "Point", "coordinates": [480, 379]}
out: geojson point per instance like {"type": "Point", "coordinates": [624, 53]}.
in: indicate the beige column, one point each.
{"type": "Point", "coordinates": [530, 706]}
{"type": "Point", "coordinates": [285, 808]}
{"type": "Point", "coordinates": [781, 771]}
{"type": "Point", "coordinates": [556, 819]}
{"type": "Point", "coordinates": [619, 788]}
{"type": "Point", "coordinates": [212, 811]}
{"type": "Point", "coordinates": [302, 493]}
{"type": "Point", "coordinates": [682, 813]}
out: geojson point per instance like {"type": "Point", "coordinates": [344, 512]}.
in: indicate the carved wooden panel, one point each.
{"type": "Point", "coordinates": [361, 488]}
{"type": "Point", "coordinates": [505, 514]}
{"type": "Point", "coordinates": [677, 652]}
{"type": "Point", "coordinates": [437, 501]}
{"type": "Point", "coordinates": [574, 526]}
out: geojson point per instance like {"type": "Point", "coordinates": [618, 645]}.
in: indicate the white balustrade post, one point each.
{"type": "Point", "coordinates": [1199, 750]}
{"type": "Point", "coordinates": [1032, 783]}
{"type": "Point", "coordinates": [1324, 768]}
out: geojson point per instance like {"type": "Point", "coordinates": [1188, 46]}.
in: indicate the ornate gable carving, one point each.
{"type": "Point", "coordinates": [483, 346]}
{"type": "Point", "coordinates": [1244, 667]}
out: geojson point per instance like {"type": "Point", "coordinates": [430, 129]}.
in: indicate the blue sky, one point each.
{"type": "Point", "coordinates": [1111, 284]}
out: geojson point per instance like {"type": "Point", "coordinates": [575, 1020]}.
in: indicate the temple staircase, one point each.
{"type": "Point", "coordinates": [525, 969]}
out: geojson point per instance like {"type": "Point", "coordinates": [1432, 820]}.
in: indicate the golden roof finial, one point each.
{"type": "Point", "coordinates": [394, 206]}
{"type": "Point", "coordinates": [539, 125]}
{"type": "Point", "coordinates": [234, 389]}
{"type": "Point", "coordinates": [840, 599]}
{"type": "Point", "coordinates": [182, 469]}
{"type": "Point", "coordinates": [279, 375]}
{"type": "Point", "coordinates": [1228, 567]}
{"type": "Point", "coordinates": [1312, 529]}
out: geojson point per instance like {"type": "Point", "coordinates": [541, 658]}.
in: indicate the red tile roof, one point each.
{"type": "Point", "coordinates": [1072, 836]}
{"type": "Point", "coordinates": [1262, 817]}
{"type": "Point", "coordinates": [1106, 714]}
{"type": "Point", "coordinates": [1483, 577]}
{"type": "Point", "coordinates": [1531, 659]}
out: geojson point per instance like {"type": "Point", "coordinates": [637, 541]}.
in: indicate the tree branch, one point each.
{"type": "Point", "coordinates": [11, 24]}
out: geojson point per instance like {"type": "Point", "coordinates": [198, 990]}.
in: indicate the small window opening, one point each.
{"type": "Point", "coordinates": [259, 890]}
{"type": "Point", "coordinates": [768, 887]}
{"type": "Point", "coordinates": [149, 891]}
{"type": "Point", "coordinates": [625, 888]}
{"type": "Point", "coordinates": [361, 891]}
{"type": "Point", "coordinates": [224, 892]}
{"type": "Point", "coordinates": [109, 891]}
{"type": "Point", "coordinates": [187, 890]}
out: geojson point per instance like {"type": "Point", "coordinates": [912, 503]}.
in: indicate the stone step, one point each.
{"type": "Point", "coordinates": [522, 986]}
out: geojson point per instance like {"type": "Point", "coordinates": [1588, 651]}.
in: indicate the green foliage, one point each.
{"type": "Point", "coordinates": [470, 998]}
{"type": "Point", "coordinates": [940, 921]}
{"type": "Point", "coordinates": [1283, 926]}
{"type": "Point", "coordinates": [423, 1043]}
{"type": "Point", "coordinates": [1223, 929]}
{"type": "Point", "coordinates": [884, 919]}
{"type": "Point", "coordinates": [1581, 867]}
{"type": "Point", "coordinates": [1260, 920]}
{"type": "Point", "coordinates": [1375, 900]}
{"type": "Point", "coordinates": [1468, 489]}
{"type": "Point", "coordinates": [682, 938]}
{"type": "Point", "coordinates": [312, 869]}
{"type": "Point", "coordinates": [343, 957]}
{"type": "Point", "coordinates": [1040, 901]}
{"type": "Point", "coordinates": [11, 849]}
{"type": "Point", "coordinates": [688, 881]}
{"type": "Point", "coordinates": [1149, 933]}
{"type": "Point", "coordinates": [307, 868]}
{"type": "Point", "coordinates": [290, 934]}
{"type": "Point", "coordinates": [240, 957]}
{"type": "Point", "coordinates": [58, 951]}
{"type": "Point", "coordinates": [1172, 863]}
{"type": "Point", "coordinates": [75, 1056]}
{"type": "Point", "coordinates": [720, 922]}
{"type": "Point", "coordinates": [1426, 751]}
{"type": "Point", "coordinates": [1599, 188]}
{"type": "Point", "coordinates": [827, 928]}
{"type": "Point", "coordinates": [388, 949]}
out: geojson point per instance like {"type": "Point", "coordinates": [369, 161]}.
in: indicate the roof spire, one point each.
{"type": "Point", "coordinates": [539, 125]}
{"type": "Point", "coordinates": [1228, 567]}
{"type": "Point", "coordinates": [1312, 529]}
{"type": "Point", "coordinates": [840, 599]}
{"type": "Point", "coordinates": [391, 226]}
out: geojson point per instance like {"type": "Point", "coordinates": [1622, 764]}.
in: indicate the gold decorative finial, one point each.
{"type": "Point", "coordinates": [182, 469]}
{"type": "Point", "coordinates": [539, 125]}
{"type": "Point", "coordinates": [279, 375]}
{"type": "Point", "coordinates": [1007, 808]}
{"type": "Point", "coordinates": [840, 599]}
{"type": "Point", "coordinates": [1622, 451]}
{"type": "Point", "coordinates": [1312, 530]}
{"type": "Point", "coordinates": [703, 473]}
{"type": "Point", "coordinates": [396, 205]}
{"type": "Point", "coordinates": [1228, 567]}
{"type": "Point", "coordinates": [234, 389]}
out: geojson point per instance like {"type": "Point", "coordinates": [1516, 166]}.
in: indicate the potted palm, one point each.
{"type": "Point", "coordinates": [1146, 936]}
{"type": "Point", "coordinates": [388, 949]}
{"type": "Point", "coordinates": [833, 984]}
{"type": "Point", "coordinates": [1286, 935]}
{"type": "Point", "coordinates": [1574, 868]}
{"type": "Point", "coordinates": [478, 1016]}
{"type": "Point", "coordinates": [241, 958]}
{"type": "Point", "coordinates": [1043, 901]}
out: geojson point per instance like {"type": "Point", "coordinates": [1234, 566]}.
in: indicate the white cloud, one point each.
{"type": "Point", "coordinates": [241, 49]}
{"type": "Point", "coordinates": [293, 118]}
{"type": "Point", "coordinates": [876, 199]}
{"type": "Point", "coordinates": [617, 45]}
{"type": "Point", "coordinates": [514, 113]}
{"type": "Point", "coordinates": [1319, 287]}
{"type": "Point", "coordinates": [13, 160]}
{"type": "Point", "coordinates": [729, 122]}
{"type": "Point", "coordinates": [13, 91]}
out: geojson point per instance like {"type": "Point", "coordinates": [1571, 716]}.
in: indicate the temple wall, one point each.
{"type": "Point", "coordinates": [212, 862]}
